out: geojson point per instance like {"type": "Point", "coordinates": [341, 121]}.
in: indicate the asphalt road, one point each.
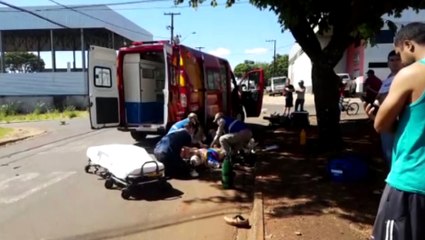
{"type": "Point", "coordinates": [45, 194]}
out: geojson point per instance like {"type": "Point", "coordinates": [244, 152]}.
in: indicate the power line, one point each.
{"type": "Point", "coordinates": [120, 3]}
{"type": "Point", "coordinates": [32, 13]}
{"type": "Point", "coordinates": [92, 7]}
{"type": "Point", "coordinates": [171, 27]}
{"type": "Point", "coordinates": [101, 20]}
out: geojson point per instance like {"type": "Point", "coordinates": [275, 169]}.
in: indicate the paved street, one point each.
{"type": "Point", "coordinates": [276, 104]}
{"type": "Point", "coordinates": [45, 194]}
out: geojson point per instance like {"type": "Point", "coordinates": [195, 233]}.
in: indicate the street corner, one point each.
{"type": "Point", "coordinates": [19, 134]}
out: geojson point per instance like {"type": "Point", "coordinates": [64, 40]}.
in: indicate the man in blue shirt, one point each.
{"type": "Point", "coordinates": [231, 133]}
{"type": "Point", "coordinates": [192, 117]}
{"type": "Point", "coordinates": [167, 151]}
{"type": "Point", "coordinates": [198, 135]}
{"type": "Point", "coordinates": [387, 139]}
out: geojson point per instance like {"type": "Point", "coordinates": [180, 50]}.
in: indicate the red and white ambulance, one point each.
{"type": "Point", "coordinates": [148, 86]}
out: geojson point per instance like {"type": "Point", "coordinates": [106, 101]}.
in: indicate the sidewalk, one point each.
{"type": "Point", "coordinates": [300, 202]}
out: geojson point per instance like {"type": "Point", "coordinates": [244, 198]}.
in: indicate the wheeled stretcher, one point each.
{"type": "Point", "coordinates": [125, 166]}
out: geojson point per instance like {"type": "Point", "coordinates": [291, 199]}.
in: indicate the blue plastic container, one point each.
{"type": "Point", "coordinates": [347, 168]}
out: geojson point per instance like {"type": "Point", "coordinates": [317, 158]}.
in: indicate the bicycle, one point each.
{"type": "Point", "coordinates": [351, 108]}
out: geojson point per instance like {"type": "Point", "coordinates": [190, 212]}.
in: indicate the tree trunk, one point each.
{"type": "Point", "coordinates": [326, 97]}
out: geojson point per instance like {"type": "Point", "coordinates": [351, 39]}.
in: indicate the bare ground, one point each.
{"type": "Point", "coordinates": [301, 201]}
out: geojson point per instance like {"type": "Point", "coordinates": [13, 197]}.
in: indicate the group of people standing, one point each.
{"type": "Point", "coordinates": [289, 99]}
{"type": "Point", "coordinates": [397, 108]}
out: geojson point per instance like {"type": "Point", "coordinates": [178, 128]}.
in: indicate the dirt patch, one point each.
{"type": "Point", "coordinates": [20, 134]}
{"type": "Point", "coordinates": [300, 199]}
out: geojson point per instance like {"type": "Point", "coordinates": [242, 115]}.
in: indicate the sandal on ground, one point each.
{"type": "Point", "coordinates": [237, 221]}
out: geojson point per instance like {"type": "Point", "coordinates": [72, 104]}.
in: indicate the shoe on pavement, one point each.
{"type": "Point", "coordinates": [237, 221]}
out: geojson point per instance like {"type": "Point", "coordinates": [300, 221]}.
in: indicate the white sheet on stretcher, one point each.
{"type": "Point", "coordinates": [122, 159]}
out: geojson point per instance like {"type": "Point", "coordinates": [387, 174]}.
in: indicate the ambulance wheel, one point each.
{"type": "Point", "coordinates": [126, 193]}
{"type": "Point", "coordinates": [109, 183]}
{"type": "Point", "coordinates": [138, 136]}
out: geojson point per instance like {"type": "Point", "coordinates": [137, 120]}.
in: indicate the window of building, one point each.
{"type": "Point", "coordinates": [384, 36]}
{"type": "Point", "coordinates": [378, 65]}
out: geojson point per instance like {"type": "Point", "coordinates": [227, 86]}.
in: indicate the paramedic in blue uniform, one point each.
{"type": "Point", "coordinates": [192, 117]}
{"type": "Point", "coordinates": [198, 135]}
{"type": "Point", "coordinates": [232, 134]}
{"type": "Point", "coordinates": [167, 151]}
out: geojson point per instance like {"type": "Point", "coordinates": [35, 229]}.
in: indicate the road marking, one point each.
{"type": "Point", "coordinates": [54, 177]}
{"type": "Point", "coordinates": [22, 178]}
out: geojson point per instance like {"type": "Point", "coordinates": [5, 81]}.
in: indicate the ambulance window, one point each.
{"type": "Point", "coordinates": [223, 76]}
{"type": "Point", "coordinates": [213, 79]}
{"type": "Point", "coordinates": [102, 77]}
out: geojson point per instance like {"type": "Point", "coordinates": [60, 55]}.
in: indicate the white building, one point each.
{"type": "Point", "coordinates": [357, 60]}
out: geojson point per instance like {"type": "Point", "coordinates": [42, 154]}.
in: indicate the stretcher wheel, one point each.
{"type": "Point", "coordinates": [126, 194]}
{"type": "Point", "coordinates": [109, 183]}
{"type": "Point", "coordinates": [87, 168]}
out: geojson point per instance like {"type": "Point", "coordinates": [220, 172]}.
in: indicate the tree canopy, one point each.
{"type": "Point", "coordinates": [270, 70]}
{"type": "Point", "coordinates": [345, 22]}
{"type": "Point", "coordinates": [23, 62]}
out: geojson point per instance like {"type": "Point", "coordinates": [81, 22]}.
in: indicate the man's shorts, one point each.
{"type": "Point", "coordinates": [401, 216]}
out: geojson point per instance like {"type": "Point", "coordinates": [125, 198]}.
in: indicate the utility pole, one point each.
{"type": "Point", "coordinates": [200, 48]}
{"type": "Point", "coordinates": [274, 55]}
{"type": "Point", "coordinates": [171, 27]}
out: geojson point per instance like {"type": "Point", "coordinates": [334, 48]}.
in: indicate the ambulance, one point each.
{"type": "Point", "coordinates": [146, 87]}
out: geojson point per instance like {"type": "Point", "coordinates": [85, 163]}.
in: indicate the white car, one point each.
{"type": "Point", "coordinates": [349, 83]}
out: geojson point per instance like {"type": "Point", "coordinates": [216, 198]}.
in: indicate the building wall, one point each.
{"type": "Point", "coordinates": [50, 90]}
{"type": "Point", "coordinates": [300, 66]}
{"type": "Point", "coordinates": [301, 70]}
{"type": "Point", "coordinates": [27, 104]}
{"type": "Point", "coordinates": [356, 60]}
{"type": "Point", "coordinates": [44, 83]}
{"type": "Point", "coordinates": [375, 56]}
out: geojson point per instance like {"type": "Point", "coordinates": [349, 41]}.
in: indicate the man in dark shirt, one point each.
{"type": "Point", "coordinates": [167, 151]}
{"type": "Point", "coordinates": [372, 84]}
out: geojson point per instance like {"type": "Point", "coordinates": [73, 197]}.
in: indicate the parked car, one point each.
{"type": "Point", "coordinates": [349, 84]}
{"type": "Point", "coordinates": [277, 85]}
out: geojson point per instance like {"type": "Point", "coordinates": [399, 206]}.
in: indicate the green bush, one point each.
{"type": "Point", "coordinates": [11, 108]}
{"type": "Point", "coordinates": [40, 108]}
{"type": "Point", "coordinates": [70, 108]}
{"type": "Point", "coordinates": [71, 114]}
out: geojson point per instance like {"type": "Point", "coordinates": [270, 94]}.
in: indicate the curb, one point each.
{"type": "Point", "coordinates": [5, 142]}
{"type": "Point", "coordinates": [256, 218]}
{"type": "Point", "coordinates": [13, 140]}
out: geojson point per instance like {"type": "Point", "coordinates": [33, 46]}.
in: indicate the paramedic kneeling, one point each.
{"type": "Point", "coordinates": [167, 151]}
{"type": "Point", "coordinates": [192, 117]}
{"type": "Point", "coordinates": [198, 135]}
{"type": "Point", "coordinates": [231, 133]}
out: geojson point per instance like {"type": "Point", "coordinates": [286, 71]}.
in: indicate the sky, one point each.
{"type": "Point", "coordinates": [237, 33]}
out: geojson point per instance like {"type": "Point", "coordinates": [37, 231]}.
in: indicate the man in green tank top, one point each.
{"type": "Point", "coordinates": [401, 213]}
